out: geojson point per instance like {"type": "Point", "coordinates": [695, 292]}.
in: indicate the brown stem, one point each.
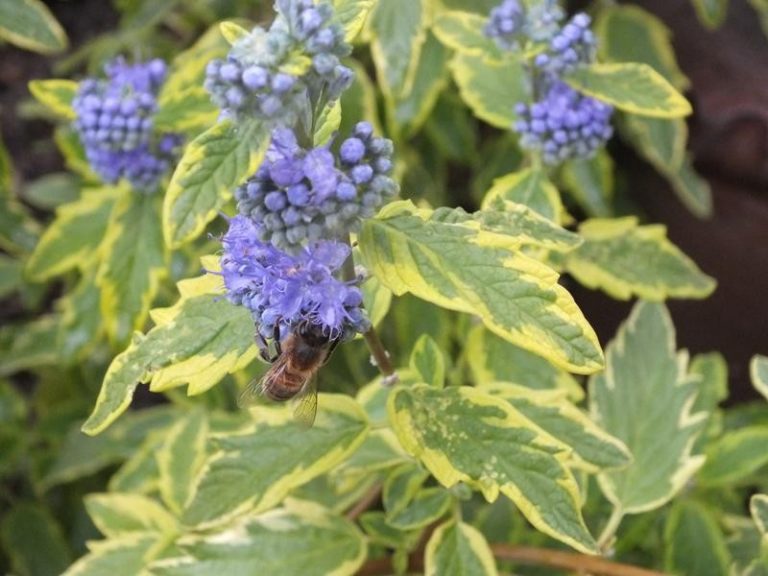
{"type": "Point", "coordinates": [368, 499]}
{"type": "Point", "coordinates": [568, 561]}
{"type": "Point", "coordinates": [379, 353]}
{"type": "Point", "coordinates": [571, 561]}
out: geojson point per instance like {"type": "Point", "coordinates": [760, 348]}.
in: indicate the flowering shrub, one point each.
{"type": "Point", "coordinates": [269, 212]}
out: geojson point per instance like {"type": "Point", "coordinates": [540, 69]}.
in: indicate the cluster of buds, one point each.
{"type": "Point", "coordinates": [114, 119]}
{"type": "Point", "coordinates": [561, 123]}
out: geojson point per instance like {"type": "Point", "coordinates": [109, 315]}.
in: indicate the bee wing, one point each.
{"type": "Point", "coordinates": [251, 394]}
{"type": "Point", "coordinates": [306, 409]}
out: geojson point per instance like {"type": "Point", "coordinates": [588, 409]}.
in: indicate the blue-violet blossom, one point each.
{"type": "Point", "coordinates": [265, 74]}
{"type": "Point", "coordinates": [114, 119]}
{"type": "Point", "coordinates": [299, 195]}
{"type": "Point", "coordinates": [564, 124]}
{"type": "Point", "coordinates": [283, 290]}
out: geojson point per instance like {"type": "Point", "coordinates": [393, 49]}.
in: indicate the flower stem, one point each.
{"type": "Point", "coordinates": [379, 353]}
{"type": "Point", "coordinates": [604, 541]}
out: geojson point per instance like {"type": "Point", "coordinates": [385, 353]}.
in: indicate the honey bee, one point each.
{"type": "Point", "coordinates": [293, 370]}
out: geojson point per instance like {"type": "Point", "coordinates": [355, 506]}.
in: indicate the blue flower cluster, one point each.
{"type": "Point", "coordinates": [564, 124]}
{"type": "Point", "coordinates": [114, 119]}
{"type": "Point", "coordinates": [271, 74]}
{"type": "Point", "coordinates": [573, 46]}
{"type": "Point", "coordinates": [282, 289]}
{"type": "Point", "coordinates": [512, 22]}
{"type": "Point", "coordinates": [561, 123]}
{"type": "Point", "coordinates": [299, 195]}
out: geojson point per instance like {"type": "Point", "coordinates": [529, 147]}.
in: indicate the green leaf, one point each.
{"type": "Point", "coordinates": [463, 434]}
{"type": "Point", "coordinates": [327, 123]}
{"type": "Point", "coordinates": [431, 77]}
{"type": "Point", "coordinates": [626, 260]}
{"type": "Point", "coordinates": [590, 182]}
{"type": "Point", "coordinates": [33, 540]}
{"type": "Point", "coordinates": [73, 237]}
{"type": "Point", "coordinates": [427, 362]}
{"type": "Point", "coordinates": [255, 469]}
{"type": "Point", "coordinates": [711, 13]}
{"type": "Point", "coordinates": [458, 549]}
{"type": "Point", "coordinates": [52, 190]}
{"type": "Point", "coordinates": [489, 99]}
{"type": "Point", "coordinates": [117, 515]}
{"type": "Point", "coordinates": [29, 24]}
{"type": "Point", "coordinates": [712, 370]}
{"type": "Point", "coordinates": [401, 486]}
{"type": "Point", "coordinates": [377, 299]}
{"type": "Point", "coordinates": [692, 190]}
{"type": "Point", "coordinates": [180, 458]}
{"type": "Point", "coordinates": [352, 14]}
{"type": "Point", "coordinates": [397, 31]}
{"type": "Point", "coordinates": [212, 166]}
{"type": "Point", "coordinates": [734, 457]}
{"type": "Point", "coordinates": [81, 324]}
{"type": "Point", "coordinates": [198, 341]}
{"type": "Point", "coordinates": [529, 187]}
{"type": "Point", "coordinates": [10, 275]}
{"type": "Point", "coordinates": [694, 543]}
{"type": "Point", "coordinates": [125, 555]}
{"type": "Point", "coordinates": [758, 371]}
{"type": "Point", "coordinates": [133, 262]}
{"type": "Point", "coordinates": [593, 448]}
{"type": "Point", "coordinates": [189, 110]}
{"type": "Point", "coordinates": [56, 95]}
{"type": "Point", "coordinates": [81, 456]}
{"type": "Point", "coordinates": [427, 507]}
{"type": "Point", "coordinates": [303, 539]}
{"type": "Point", "coordinates": [232, 31]}
{"type": "Point", "coordinates": [464, 33]}
{"type": "Point", "coordinates": [633, 87]}
{"type": "Point", "coordinates": [644, 399]}
{"type": "Point", "coordinates": [379, 532]}
{"type": "Point", "coordinates": [758, 508]}
{"type": "Point", "coordinates": [516, 296]}
{"type": "Point", "coordinates": [492, 359]}
{"type": "Point", "coordinates": [28, 346]}
{"type": "Point", "coordinates": [628, 33]}
{"type": "Point", "coordinates": [139, 474]}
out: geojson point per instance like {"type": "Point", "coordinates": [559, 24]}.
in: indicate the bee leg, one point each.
{"type": "Point", "coordinates": [264, 351]}
{"type": "Point", "coordinates": [276, 338]}
{"type": "Point", "coordinates": [331, 348]}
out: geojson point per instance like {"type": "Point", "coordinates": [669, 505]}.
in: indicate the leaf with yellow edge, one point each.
{"type": "Point", "coordinates": [493, 359]}
{"type": "Point", "coordinates": [352, 14]}
{"type": "Point", "coordinates": [625, 260]}
{"type": "Point", "coordinates": [644, 398]}
{"type": "Point", "coordinates": [212, 166]}
{"type": "Point", "coordinates": [198, 341]}
{"type": "Point", "coordinates": [464, 434]}
{"type": "Point", "coordinates": [428, 362]}
{"type": "Point", "coordinates": [73, 237]}
{"type": "Point", "coordinates": [232, 31]}
{"type": "Point", "coordinates": [758, 371]}
{"type": "Point", "coordinates": [397, 31]}
{"type": "Point", "coordinates": [133, 262]}
{"type": "Point", "coordinates": [464, 32]}
{"type": "Point", "coordinates": [489, 99]}
{"type": "Point", "coordinates": [593, 448]}
{"type": "Point", "coordinates": [180, 458]}
{"type": "Point", "coordinates": [254, 469]}
{"type": "Point", "coordinates": [116, 514]}
{"type": "Point", "coordinates": [529, 187]}
{"type": "Point", "coordinates": [468, 269]}
{"type": "Point", "coordinates": [56, 95]}
{"type": "Point", "coordinates": [458, 549]}
{"type": "Point", "coordinates": [128, 554]}
{"type": "Point", "coordinates": [30, 24]}
{"type": "Point", "coordinates": [633, 87]}
{"type": "Point", "coordinates": [302, 538]}
{"type": "Point", "coordinates": [758, 508]}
